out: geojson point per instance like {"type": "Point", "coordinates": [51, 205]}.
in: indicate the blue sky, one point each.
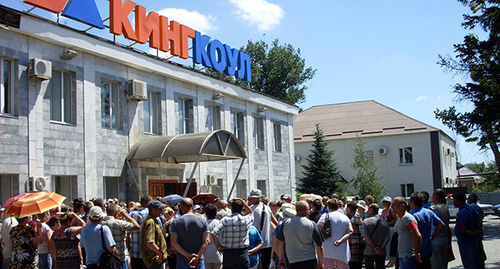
{"type": "Point", "coordinates": [382, 50]}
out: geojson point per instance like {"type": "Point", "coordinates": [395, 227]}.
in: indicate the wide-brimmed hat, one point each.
{"type": "Point", "coordinates": [387, 199]}
{"type": "Point", "coordinates": [255, 194]}
{"type": "Point", "coordinates": [289, 213]}
{"type": "Point", "coordinates": [362, 204]}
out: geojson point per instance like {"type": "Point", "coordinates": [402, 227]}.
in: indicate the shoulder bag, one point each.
{"type": "Point", "coordinates": [108, 260]}
{"type": "Point", "coordinates": [327, 228]}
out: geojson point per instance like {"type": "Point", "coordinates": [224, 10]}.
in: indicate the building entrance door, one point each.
{"type": "Point", "coordinates": [161, 188]}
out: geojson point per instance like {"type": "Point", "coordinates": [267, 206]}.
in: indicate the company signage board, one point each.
{"type": "Point", "coordinates": [162, 34]}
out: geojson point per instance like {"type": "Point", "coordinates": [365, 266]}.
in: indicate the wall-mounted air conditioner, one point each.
{"type": "Point", "coordinates": [382, 150]}
{"type": "Point", "coordinates": [40, 68]}
{"type": "Point", "coordinates": [37, 183]}
{"type": "Point", "coordinates": [137, 90]}
{"type": "Point", "coordinates": [211, 180]}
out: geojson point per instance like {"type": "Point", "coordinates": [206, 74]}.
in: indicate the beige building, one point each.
{"type": "Point", "coordinates": [410, 155]}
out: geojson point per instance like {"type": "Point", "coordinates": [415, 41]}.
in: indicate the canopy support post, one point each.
{"type": "Point", "coordinates": [235, 179]}
{"type": "Point", "coordinates": [192, 175]}
{"type": "Point", "coordinates": [139, 186]}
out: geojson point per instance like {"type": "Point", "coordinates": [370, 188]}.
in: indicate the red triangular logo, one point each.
{"type": "Point", "coordinates": [55, 6]}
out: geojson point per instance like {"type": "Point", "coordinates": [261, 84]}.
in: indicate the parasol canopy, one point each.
{"type": "Point", "coordinates": [204, 198]}
{"type": "Point", "coordinates": [12, 199]}
{"type": "Point", "coordinates": [34, 203]}
{"type": "Point", "coordinates": [173, 198]}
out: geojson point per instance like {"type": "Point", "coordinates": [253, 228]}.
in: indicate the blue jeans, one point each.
{"type": "Point", "coordinates": [235, 259]}
{"type": "Point", "coordinates": [44, 261]}
{"type": "Point", "coordinates": [123, 266]}
{"type": "Point", "coordinates": [182, 264]}
{"type": "Point", "coordinates": [407, 263]}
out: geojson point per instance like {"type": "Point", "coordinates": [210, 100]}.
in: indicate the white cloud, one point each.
{"type": "Point", "coordinates": [193, 19]}
{"type": "Point", "coordinates": [421, 98]}
{"type": "Point", "coordinates": [431, 98]}
{"type": "Point", "coordinates": [260, 12]}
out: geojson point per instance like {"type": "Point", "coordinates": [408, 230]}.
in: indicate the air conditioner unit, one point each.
{"type": "Point", "coordinates": [37, 183]}
{"type": "Point", "coordinates": [211, 180]}
{"type": "Point", "coordinates": [298, 157]}
{"type": "Point", "coordinates": [382, 150]}
{"type": "Point", "coordinates": [40, 68]}
{"type": "Point", "coordinates": [137, 90]}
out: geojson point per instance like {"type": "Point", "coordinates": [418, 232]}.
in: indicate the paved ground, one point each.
{"type": "Point", "coordinates": [491, 243]}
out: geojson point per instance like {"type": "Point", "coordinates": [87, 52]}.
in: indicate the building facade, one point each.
{"type": "Point", "coordinates": [72, 108]}
{"type": "Point", "coordinates": [410, 155]}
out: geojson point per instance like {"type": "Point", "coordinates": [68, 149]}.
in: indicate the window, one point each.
{"type": "Point", "coordinates": [7, 87]}
{"type": "Point", "coordinates": [186, 116]}
{"type": "Point", "coordinates": [261, 185]}
{"type": "Point", "coordinates": [213, 118]}
{"type": "Point", "coordinates": [152, 113]}
{"type": "Point", "coordinates": [111, 187]}
{"type": "Point", "coordinates": [66, 186]}
{"type": "Point", "coordinates": [241, 189]}
{"type": "Point", "coordinates": [258, 132]}
{"type": "Point", "coordinates": [8, 189]}
{"type": "Point", "coordinates": [405, 156]}
{"type": "Point", "coordinates": [407, 189]}
{"type": "Point", "coordinates": [110, 104]}
{"type": "Point", "coordinates": [62, 104]}
{"type": "Point", "coordinates": [238, 126]}
{"type": "Point", "coordinates": [277, 136]}
{"type": "Point", "coordinates": [218, 190]}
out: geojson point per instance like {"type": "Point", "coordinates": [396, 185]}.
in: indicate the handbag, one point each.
{"type": "Point", "coordinates": [108, 260]}
{"type": "Point", "coordinates": [327, 228]}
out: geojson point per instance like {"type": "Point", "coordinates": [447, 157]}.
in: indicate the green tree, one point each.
{"type": "Point", "coordinates": [321, 174]}
{"type": "Point", "coordinates": [490, 173]}
{"type": "Point", "coordinates": [366, 182]}
{"type": "Point", "coordinates": [480, 61]}
{"type": "Point", "coordinates": [277, 70]}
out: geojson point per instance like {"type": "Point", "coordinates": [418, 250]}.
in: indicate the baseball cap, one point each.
{"type": "Point", "coordinates": [289, 213]}
{"type": "Point", "coordinates": [96, 212]}
{"type": "Point", "coordinates": [156, 204]}
{"type": "Point", "coordinates": [255, 193]}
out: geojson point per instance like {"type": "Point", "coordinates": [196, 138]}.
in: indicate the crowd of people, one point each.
{"type": "Point", "coordinates": [332, 232]}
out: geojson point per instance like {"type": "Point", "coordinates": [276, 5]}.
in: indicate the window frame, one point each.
{"type": "Point", "coordinates": [8, 105]}
{"type": "Point", "coordinates": [239, 126]}
{"type": "Point", "coordinates": [259, 133]}
{"type": "Point", "coordinates": [405, 189]}
{"type": "Point", "coordinates": [214, 115]}
{"type": "Point", "coordinates": [186, 122]}
{"type": "Point", "coordinates": [406, 158]}
{"type": "Point", "coordinates": [66, 104]}
{"type": "Point", "coordinates": [277, 137]}
{"type": "Point", "coordinates": [153, 110]}
{"type": "Point", "coordinates": [114, 109]}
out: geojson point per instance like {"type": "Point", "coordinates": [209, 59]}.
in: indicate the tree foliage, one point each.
{"type": "Point", "coordinates": [321, 175]}
{"type": "Point", "coordinates": [277, 70]}
{"type": "Point", "coordinates": [366, 182]}
{"type": "Point", "coordinates": [490, 172]}
{"type": "Point", "coordinates": [480, 61]}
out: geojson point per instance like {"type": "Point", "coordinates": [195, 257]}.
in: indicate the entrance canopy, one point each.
{"type": "Point", "coordinates": [217, 145]}
{"type": "Point", "coordinates": [208, 146]}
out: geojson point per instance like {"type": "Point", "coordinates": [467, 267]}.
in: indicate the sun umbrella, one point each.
{"type": "Point", "coordinates": [34, 203]}
{"type": "Point", "coordinates": [204, 198]}
{"type": "Point", "coordinates": [12, 199]}
{"type": "Point", "coordinates": [173, 198]}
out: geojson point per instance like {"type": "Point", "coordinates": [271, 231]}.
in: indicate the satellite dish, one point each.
{"type": "Point", "coordinates": [40, 183]}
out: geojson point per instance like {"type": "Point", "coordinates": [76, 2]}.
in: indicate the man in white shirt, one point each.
{"type": "Point", "coordinates": [262, 221]}
{"type": "Point", "coordinates": [7, 224]}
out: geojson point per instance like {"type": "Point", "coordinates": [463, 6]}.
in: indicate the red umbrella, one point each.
{"type": "Point", "coordinates": [11, 200]}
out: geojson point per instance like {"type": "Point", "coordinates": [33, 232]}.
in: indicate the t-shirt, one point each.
{"type": "Point", "coordinates": [43, 248]}
{"type": "Point", "coordinates": [339, 222]}
{"type": "Point", "coordinates": [404, 226]}
{"type": "Point", "coordinates": [189, 229]}
{"type": "Point", "coordinates": [255, 238]}
{"type": "Point", "coordinates": [302, 237]}
{"type": "Point", "coordinates": [426, 219]}
{"type": "Point", "coordinates": [91, 241]}
{"type": "Point", "coordinates": [443, 213]}
{"type": "Point", "coordinates": [265, 231]}
{"type": "Point", "coordinates": [378, 233]}
{"type": "Point", "coordinates": [466, 217]}
{"type": "Point", "coordinates": [211, 254]}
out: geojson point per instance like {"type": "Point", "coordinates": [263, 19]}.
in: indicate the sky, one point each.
{"type": "Point", "coordinates": [382, 50]}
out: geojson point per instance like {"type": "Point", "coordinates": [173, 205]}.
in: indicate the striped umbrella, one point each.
{"type": "Point", "coordinates": [34, 203]}
{"type": "Point", "coordinates": [12, 199]}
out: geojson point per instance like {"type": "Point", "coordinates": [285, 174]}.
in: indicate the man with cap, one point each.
{"type": "Point", "coordinates": [190, 237]}
{"type": "Point", "coordinates": [262, 221]}
{"type": "Point", "coordinates": [139, 216]}
{"type": "Point", "coordinates": [153, 244]}
{"type": "Point", "coordinates": [468, 232]}
{"type": "Point", "coordinates": [91, 238]}
{"type": "Point", "coordinates": [288, 212]}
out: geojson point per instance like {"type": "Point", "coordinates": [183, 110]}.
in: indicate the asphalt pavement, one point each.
{"type": "Point", "coordinates": [491, 242]}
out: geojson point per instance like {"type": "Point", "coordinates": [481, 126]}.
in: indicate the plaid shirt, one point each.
{"type": "Point", "coordinates": [356, 241]}
{"type": "Point", "coordinates": [232, 231]}
{"type": "Point", "coordinates": [118, 230]}
{"type": "Point", "coordinates": [135, 236]}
